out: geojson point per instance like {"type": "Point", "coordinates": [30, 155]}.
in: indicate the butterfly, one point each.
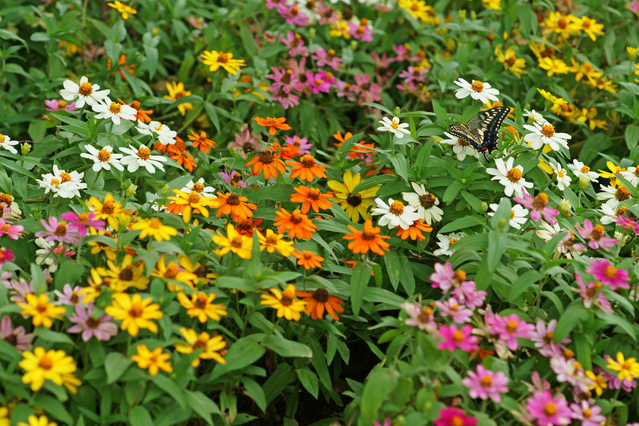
{"type": "Point", "coordinates": [482, 131]}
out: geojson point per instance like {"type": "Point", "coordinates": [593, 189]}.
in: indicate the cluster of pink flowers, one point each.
{"type": "Point", "coordinates": [538, 207]}
{"type": "Point", "coordinates": [596, 236]}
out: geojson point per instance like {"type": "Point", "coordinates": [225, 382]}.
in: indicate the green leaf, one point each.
{"type": "Point", "coordinates": [359, 281]}
{"type": "Point", "coordinates": [14, 166]}
{"type": "Point", "coordinates": [212, 113]}
{"type": "Point", "coordinates": [632, 136]}
{"type": "Point", "coordinates": [53, 336]}
{"type": "Point", "coordinates": [496, 248]}
{"type": "Point", "coordinates": [247, 40]}
{"type": "Point", "coordinates": [393, 267]}
{"type": "Point", "coordinates": [170, 387]}
{"type": "Point", "coordinates": [281, 192]}
{"type": "Point", "coordinates": [374, 181]}
{"type": "Point", "coordinates": [522, 284]}
{"type": "Point", "coordinates": [400, 165]}
{"type": "Point", "coordinates": [462, 223]}
{"type": "Point", "coordinates": [70, 271]}
{"type": "Point", "coordinates": [279, 380]}
{"type": "Point", "coordinates": [287, 348]}
{"type": "Point", "coordinates": [255, 391]}
{"type": "Point", "coordinates": [502, 214]}
{"type": "Point", "coordinates": [442, 116]}
{"type": "Point", "coordinates": [202, 405]}
{"type": "Point", "coordinates": [406, 275]}
{"type": "Point", "coordinates": [575, 313]}
{"type": "Point", "coordinates": [309, 380]}
{"type": "Point", "coordinates": [613, 319]}
{"type": "Point", "coordinates": [139, 416]}
{"type": "Point", "coordinates": [452, 191]}
{"type": "Point", "coordinates": [242, 353]}
{"type": "Point", "coordinates": [53, 407]}
{"type": "Point", "coordinates": [115, 364]}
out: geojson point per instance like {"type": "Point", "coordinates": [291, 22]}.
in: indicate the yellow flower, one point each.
{"type": "Point", "coordinates": [590, 115]}
{"type": "Point", "coordinates": [154, 361]}
{"type": "Point", "coordinates": [176, 91]}
{"type": "Point", "coordinates": [192, 202]}
{"type": "Point", "coordinates": [415, 8]}
{"type": "Point", "coordinates": [172, 271]}
{"type": "Point", "coordinates": [627, 369]}
{"type": "Point", "coordinates": [637, 70]}
{"type": "Point", "coordinates": [41, 365]}
{"type": "Point", "coordinates": [154, 228]}
{"type": "Point", "coordinates": [553, 66]}
{"type": "Point", "coordinates": [632, 52]}
{"type": "Point", "coordinates": [121, 277]}
{"type": "Point", "coordinates": [546, 167]}
{"type": "Point", "coordinates": [213, 346]}
{"type": "Point", "coordinates": [5, 420]}
{"type": "Point", "coordinates": [354, 204]}
{"type": "Point", "coordinates": [565, 26]}
{"type": "Point", "coordinates": [585, 69]}
{"type": "Point", "coordinates": [551, 98]}
{"type": "Point", "coordinates": [340, 29]}
{"type": "Point", "coordinates": [41, 310]}
{"type": "Point", "coordinates": [71, 382]}
{"type": "Point", "coordinates": [272, 241]}
{"type": "Point", "coordinates": [541, 50]}
{"type": "Point", "coordinates": [109, 210]}
{"type": "Point", "coordinates": [590, 27]}
{"type": "Point", "coordinates": [598, 382]}
{"type": "Point", "coordinates": [614, 169]}
{"type": "Point", "coordinates": [98, 247]}
{"type": "Point", "coordinates": [492, 4]}
{"type": "Point", "coordinates": [134, 313]}
{"type": "Point", "coordinates": [285, 303]}
{"type": "Point", "coordinates": [35, 421]}
{"type": "Point", "coordinates": [510, 61]}
{"type": "Point", "coordinates": [234, 242]}
{"type": "Point", "coordinates": [603, 84]}
{"type": "Point", "coordinates": [225, 60]}
{"type": "Point", "coordinates": [200, 271]}
{"type": "Point", "coordinates": [123, 9]}
{"type": "Point", "coordinates": [201, 306]}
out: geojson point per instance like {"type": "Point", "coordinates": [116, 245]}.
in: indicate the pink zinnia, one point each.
{"type": "Point", "coordinates": [55, 105]}
{"type": "Point", "coordinates": [485, 383]}
{"type": "Point", "coordinates": [293, 15]}
{"type": "Point", "coordinates": [592, 294]}
{"type": "Point", "coordinates": [596, 235]}
{"type": "Point", "coordinates": [18, 289]}
{"type": "Point", "coordinates": [101, 328]}
{"type": "Point", "coordinates": [548, 410]}
{"type": "Point", "coordinates": [6, 256]}
{"type": "Point", "coordinates": [627, 223]}
{"type": "Point", "coordinates": [445, 277]}
{"type": "Point", "coordinates": [294, 42]}
{"type": "Point", "coordinates": [320, 82]}
{"type": "Point", "coordinates": [344, 89]}
{"type": "Point", "coordinates": [302, 144]}
{"type": "Point", "coordinates": [326, 58]}
{"type": "Point", "coordinates": [451, 308]}
{"type": "Point", "coordinates": [14, 336]}
{"type": "Point", "coordinates": [233, 178]}
{"type": "Point", "coordinates": [285, 79]}
{"type": "Point", "coordinates": [287, 100]}
{"type": "Point", "coordinates": [603, 271]}
{"type": "Point", "coordinates": [468, 294]}
{"type": "Point", "coordinates": [368, 90]}
{"type": "Point", "coordinates": [451, 416]}
{"type": "Point", "coordinates": [457, 338]}
{"type": "Point", "coordinates": [58, 231]}
{"type": "Point", "coordinates": [510, 329]}
{"type": "Point", "coordinates": [245, 141]}
{"type": "Point", "coordinates": [634, 6]}
{"type": "Point", "coordinates": [419, 316]}
{"type": "Point", "coordinates": [404, 54]}
{"type": "Point", "coordinates": [542, 338]}
{"type": "Point", "coordinates": [588, 414]}
{"type": "Point", "coordinates": [12, 231]}
{"type": "Point", "coordinates": [538, 207]}
{"type": "Point", "coordinates": [69, 295]}
{"type": "Point", "coordinates": [82, 222]}
{"type": "Point", "coordinates": [361, 31]}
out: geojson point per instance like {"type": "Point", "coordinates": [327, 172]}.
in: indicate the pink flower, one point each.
{"type": "Point", "coordinates": [19, 290]}
{"type": "Point", "coordinates": [613, 380]}
{"type": "Point", "coordinates": [542, 338]}
{"type": "Point", "coordinates": [245, 142]}
{"type": "Point", "coordinates": [592, 294]}
{"type": "Point", "coordinates": [12, 231]}
{"type": "Point", "coordinates": [538, 207]}
{"type": "Point", "coordinates": [233, 178]}
{"type": "Point", "coordinates": [597, 236]}
{"type": "Point", "coordinates": [634, 6]}
{"type": "Point", "coordinates": [486, 383]}
{"type": "Point", "coordinates": [270, 4]}
{"type": "Point", "coordinates": [405, 54]}
{"type": "Point", "coordinates": [603, 271]}
{"type": "Point", "coordinates": [55, 105]}
{"type": "Point", "coordinates": [457, 339]}
{"type": "Point", "coordinates": [293, 15]}
{"type": "Point", "coordinates": [14, 336]}
{"type": "Point", "coordinates": [101, 328]}
{"type": "Point", "coordinates": [82, 222]}
{"type": "Point", "coordinates": [510, 329]}
{"type": "Point", "coordinates": [287, 100]}
{"type": "Point", "coordinates": [588, 414]}
{"type": "Point", "coordinates": [537, 384]}
{"type": "Point", "coordinates": [285, 79]}
{"type": "Point", "coordinates": [387, 422]}
{"type": "Point", "coordinates": [58, 231]}
{"type": "Point", "coordinates": [411, 76]}
{"type": "Point", "coordinates": [6, 256]}
{"type": "Point", "coordinates": [468, 294]}
{"type": "Point", "coordinates": [368, 91]}
{"type": "Point", "coordinates": [302, 144]}
{"type": "Point", "coordinates": [344, 89]}
{"type": "Point", "coordinates": [294, 42]}
{"type": "Point", "coordinates": [69, 295]}
{"type": "Point", "coordinates": [327, 14]}
{"type": "Point", "coordinates": [445, 277]}
{"type": "Point", "coordinates": [451, 416]}
{"type": "Point", "coordinates": [419, 316]}
{"type": "Point", "coordinates": [320, 82]}
{"type": "Point", "coordinates": [326, 58]}
{"type": "Point", "coordinates": [362, 31]}
{"type": "Point", "coordinates": [381, 62]}
{"type": "Point", "coordinates": [451, 308]}
{"type": "Point", "coordinates": [548, 410]}
{"type": "Point", "coordinates": [627, 223]}
{"type": "Point", "coordinates": [571, 371]}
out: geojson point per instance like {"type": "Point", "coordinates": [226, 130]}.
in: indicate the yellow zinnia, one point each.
{"type": "Point", "coordinates": [193, 203]}
{"type": "Point", "coordinates": [154, 228]}
{"type": "Point", "coordinates": [176, 91]}
{"type": "Point", "coordinates": [201, 306]}
{"type": "Point", "coordinates": [134, 313]}
{"type": "Point", "coordinates": [213, 346]}
{"type": "Point", "coordinates": [121, 277]}
{"type": "Point", "coordinates": [627, 369]}
{"type": "Point", "coordinates": [225, 60]}
{"type": "Point", "coordinates": [41, 365]}
{"type": "Point", "coordinates": [272, 241]}
{"type": "Point", "coordinates": [33, 421]}
{"type": "Point", "coordinates": [41, 310]}
{"type": "Point", "coordinates": [234, 242]}
{"type": "Point", "coordinates": [354, 204]}
{"type": "Point", "coordinates": [153, 361]}
{"type": "Point", "coordinates": [285, 302]}
{"type": "Point", "coordinates": [123, 9]}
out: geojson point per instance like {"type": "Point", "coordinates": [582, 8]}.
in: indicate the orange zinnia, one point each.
{"type": "Point", "coordinates": [141, 114]}
{"type": "Point", "coordinates": [311, 197]}
{"type": "Point", "coordinates": [320, 300]}
{"type": "Point", "coordinates": [307, 169]}
{"type": "Point", "coordinates": [415, 230]}
{"type": "Point", "coordinates": [287, 152]}
{"type": "Point", "coordinates": [245, 226]}
{"type": "Point", "coordinates": [369, 239]}
{"type": "Point", "coordinates": [234, 205]}
{"type": "Point", "coordinates": [174, 149]}
{"type": "Point", "coordinates": [184, 159]}
{"type": "Point", "coordinates": [341, 139]}
{"type": "Point", "coordinates": [308, 259]}
{"type": "Point", "coordinates": [362, 150]}
{"type": "Point", "coordinates": [200, 140]}
{"type": "Point", "coordinates": [267, 162]}
{"type": "Point", "coordinates": [272, 124]}
{"type": "Point", "coordinates": [121, 61]}
{"type": "Point", "coordinates": [297, 224]}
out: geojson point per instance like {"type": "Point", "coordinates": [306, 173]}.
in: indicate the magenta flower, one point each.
{"type": "Point", "coordinates": [368, 91]}
{"type": "Point", "coordinates": [344, 89]}
{"type": "Point", "coordinates": [293, 15]}
{"type": "Point", "coordinates": [542, 339]}
{"type": "Point", "coordinates": [287, 100]}
{"type": "Point", "coordinates": [445, 277]}
{"type": "Point", "coordinates": [603, 271]}
{"type": "Point", "coordinates": [320, 82]}
{"type": "Point", "coordinates": [538, 207]}
{"type": "Point", "coordinates": [510, 329]}
{"type": "Point", "coordinates": [101, 328]}
{"type": "Point", "coordinates": [55, 105]}
{"type": "Point", "coordinates": [592, 294]}
{"type": "Point", "coordinates": [302, 144]}
{"type": "Point", "coordinates": [381, 62]}
{"type": "Point", "coordinates": [468, 294]}
{"type": "Point", "coordinates": [627, 223]}
{"type": "Point", "coordinates": [326, 14]}
{"type": "Point", "coordinates": [457, 338]}
{"type": "Point", "coordinates": [275, 4]}
{"type": "Point", "coordinates": [404, 54]}
{"type": "Point", "coordinates": [294, 42]}
{"type": "Point", "coordinates": [419, 316]}
{"type": "Point", "coordinates": [245, 142]}
{"type": "Point", "coordinates": [451, 416]}
{"type": "Point", "coordinates": [548, 410]}
{"type": "Point", "coordinates": [285, 79]}
{"type": "Point", "coordinates": [326, 58]}
{"type": "Point", "coordinates": [12, 231]}
{"type": "Point", "coordinates": [82, 222]}
{"type": "Point", "coordinates": [6, 255]}
{"type": "Point", "coordinates": [596, 235]}
{"type": "Point", "coordinates": [14, 336]}
{"type": "Point", "coordinates": [233, 178]}
{"type": "Point", "coordinates": [58, 231]}
{"type": "Point", "coordinates": [69, 295]}
{"type": "Point", "coordinates": [362, 31]}
{"type": "Point", "coordinates": [451, 308]}
{"type": "Point", "coordinates": [634, 6]}
{"type": "Point", "coordinates": [486, 383]}
{"type": "Point", "coordinates": [590, 415]}
{"type": "Point", "coordinates": [613, 380]}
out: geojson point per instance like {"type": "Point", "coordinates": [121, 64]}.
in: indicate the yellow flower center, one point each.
{"type": "Point", "coordinates": [514, 175]}
{"type": "Point", "coordinates": [236, 242]}
{"type": "Point", "coordinates": [550, 409]}
{"type": "Point", "coordinates": [486, 381]}
{"type": "Point", "coordinates": [395, 124]}
{"type": "Point", "coordinates": [621, 211]}
{"type": "Point", "coordinates": [427, 201]}
{"type": "Point", "coordinates": [62, 105]}
{"type": "Point", "coordinates": [155, 223]}
{"type": "Point", "coordinates": [597, 232]}
{"type": "Point", "coordinates": [286, 301]}
{"type": "Point", "coordinates": [86, 89]}
{"type": "Point", "coordinates": [61, 230]}
{"type": "Point", "coordinates": [136, 310]}
{"type": "Point", "coordinates": [202, 301]}
{"type": "Point", "coordinates": [2, 138]}
{"type": "Point", "coordinates": [548, 130]}
{"type": "Point", "coordinates": [585, 169]}
{"type": "Point", "coordinates": [296, 217]}
{"type": "Point", "coordinates": [397, 208]}
{"type": "Point", "coordinates": [46, 363]}
{"type": "Point", "coordinates": [83, 218]}
{"type": "Point", "coordinates": [622, 193]}
{"type": "Point", "coordinates": [104, 155]}
{"type": "Point", "coordinates": [307, 161]}
{"type": "Point", "coordinates": [223, 58]}
{"type": "Point", "coordinates": [457, 421]}
{"type": "Point", "coordinates": [65, 177]}
{"type": "Point", "coordinates": [126, 274]}
{"type": "Point", "coordinates": [587, 413]}
{"type": "Point", "coordinates": [477, 86]}
{"type": "Point", "coordinates": [271, 240]}
{"type": "Point", "coordinates": [561, 173]}
{"type": "Point", "coordinates": [194, 197]}
{"type": "Point", "coordinates": [55, 182]}
{"type": "Point", "coordinates": [540, 202]}
{"type": "Point", "coordinates": [199, 344]}
{"type": "Point", "coordinates": [144, 153]}
{"type": "Point", "coordinates": [610, 271]}
{"type": "Point", "coordinates": [511, 326]}
{"type": "Point", "coordinates": [115, 108]}
{"type": "Point", "coordinates": [452, 241]}
{"type": "Point", "coordinates": [512, 214]}
{"type": "Point", "coordinates": [198, 187]}
{"type": "Point", "coordinates": [458, 336]}
{"type": "Point", "coordinates": [318, 81]}
{"type": "Point", "coordinates": [314, 194]}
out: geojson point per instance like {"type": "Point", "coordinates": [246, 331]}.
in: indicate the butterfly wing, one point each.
{"type": "Point", "coordinates": [462, 131]}
{"type": "Point", "coordinates": [486, 125]}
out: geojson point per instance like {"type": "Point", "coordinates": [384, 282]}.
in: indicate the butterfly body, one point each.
{"type": "Point", "coordinates": [482, 131]}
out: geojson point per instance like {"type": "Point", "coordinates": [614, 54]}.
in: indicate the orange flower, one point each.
{"type": "Point", "coordinates": [350, 264]}
{"type": "Point", "coordinates": [341, 139]}
{"type": "Point", "coordinates": [320, 300]}
{"type": "Point", "coordinates": [311, 197]}
{"type": "Point", "coordinates": [141, 114]}
{"type": "Point", "coordinates": [272, 124]}
{"type": "Point", "coordinates": [287, 152]}
{"type": "Point", "coordinates": [234, 205]}
{"type": "Point", "coordinates": [307, 169]}
{"type": "Point", "coordinates": [200, 140]}
{"type": "Point", "coordinates": [482, 353]}
{"type": "Point", "coordinates": [297, 224]}
{"type": "Point", "coordinates": [414, 231]}
{"type": "Point", "coordinates": [174, 149]}
{"type": "Point", "coordinates": [308, 259]}
{"type": "Point", "coordinates": [373, 170]}
{"type": "Point", "coordinates": [245, 226]}
{"type": "Point", "coordinates": [369, 239]}
{"type": "Point", "coordinates": [121, 61]}
{"type": "Point", "coordinates": [362, 150]}
{"type": "Point", "coordinates": [184, 159]}
{"type": "Point", "coordinates": [265, 161]}
{"type": "Point", "coordinates": [192, 202]}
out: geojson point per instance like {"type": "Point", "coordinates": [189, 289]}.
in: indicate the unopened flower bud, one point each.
{"type": "Point", "coordinates": [155, 31]}
{"type": "Point", "coordinates": [484, 206]}
{"type": "Point", "coordinates": [311, 32]}
{"type": "Point", "coordinates": [396, 111]}
{"type": "Point", "coordinates": [165, 190]}
{"type": "Point", "coordinates": [400, 420]}
{"type": "Point", "coordinates": [473, 15]}
{"type": "Point", "coordinates": [353, 44]}
{"type": "Point", "coordinates": [564, 206]}
{"type": "Point", "coordinates": [131, 190]}
{"type": "Point", "coordinates": [502, 223]}
{"type": "Point", "coordinates": [124, 220]}
{"type": "Point", "coordinates": [25, 148]}
{"type": "Point", "coordinates": [583, 182]}
{"type": "Point", "coordinates": [462, 15]}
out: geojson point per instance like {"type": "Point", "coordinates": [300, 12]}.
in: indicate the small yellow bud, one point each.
{"type": "Point", "coordinates": [564, 206]}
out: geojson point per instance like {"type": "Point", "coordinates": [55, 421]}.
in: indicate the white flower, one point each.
{"type": "Point", "coordinates": [43, 255]}
{"type": "Point", "coordinates": [165, 135]}
{"type": "Point", "coordinates": [200, 187]}
{"type": "Point", "coordinates": [395, 214]}
{"type": "Point", "coordinates": [141, 158]}
{"type": "Point", "coordinates": [631, 175]}
{"type": "Point", "coordinates": [460, 147]}
{"type": "Point", "coordinates": [613, 196]}
{"type": "Point", "coordinates": [563, 180]}
{"type": "Point", "coordinates": [114, 110]}
{"type": "Point", "coordinates": [580, 169]}
{"type": "Point", "coordinates": [395, 127]}
{"type": "Point", "coordinates": [549, 231]}
{"type": "Point", "coordinates": [545, 135]}
{"type": "Point", "coordinates": [445, 244]}
{"type": "Point", "coordinates": [103, 159]}
{"type": "Point", "coordinates": [83, 93]}
{"type": "Point", "coordinates": [517, 215]}
{"type": "Point", "coordinates": [61, 183]}
{"type": "Point", "coordinates": [477, 90]}
{"type": "Point", "coordinates": [510, 177]}
{"type": "Point", "coordinates": [534, 117]}
{"type": "Point", "coordinates": [425, 203]}
{"type": "Point", "coordinates": [609, 214]}
{"type": "Point", "coordinates": [8, 144]}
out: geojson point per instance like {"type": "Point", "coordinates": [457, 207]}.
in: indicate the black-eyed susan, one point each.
{"type": "Point", "coordinates": [176, 91]}
{"type": "Point", "coordinates": [153, 361]}
{"type": "Point", "coordinates": [308, 259]}
{"type": "Point", "coordinates": [173, 271]}
{"type": "Point", "coordinates": [126, 275]}
{"type": "Point", "coordinates": [369, 239]}
{"type": "Point", "coordinates": [41, 365]}
{"type": "Point", "coordinates": [192, 203]}
{"type": "Point", "coordinates": [154, 228]}
{"type": "Point", "coordinates": [272, 241]}
{"type": "Point", "coordinates": [285, 303]}
{"type": "Point", "coordinates": [41, 310]}
{"type": "Point", "coordinates": [307, 168]}
{"type": "Point", "coordinates": [267, 163]}
{"type": "Point", "coordinates": [297, 224]}
{"type": "Point", "coordinates": [354, 204]}
{"type": "Point", "coordinates": [233, 242]}
{"type": "Point", "coordinates": [215, 60]}
{"type": "Point", "coordinates": [238, 207]}
{"type": "Point", "coordinates": [134, 312]}
{"type": "Point", "coordinates": [202, 271]}
{"type": "Point", "coordinates": [319, 301]}
{"type": "Point", "coordinates": [311, 198]}
{"type": "Point", "coordinates": [213, 346]}
{"type": "Point", "coordinates": [201, 305]}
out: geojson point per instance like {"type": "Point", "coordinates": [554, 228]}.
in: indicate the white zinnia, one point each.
{"type": "Point", "coordinates": [477, 90]}
{"type": "Point", "coordinates": [82, 93]}
{"type": "Point", "coordinates": [425, 203]}
{"type": "Point", "coordinates": [534, 117]}
{"type": "Point", "coordinates": [460, 147]}
{"type": "Point", "coordinates": [563, 180]}
{"type": "Point", "coordinates": [43, 256]}
{"type": "Point", "coordinates": [141, 158]}
{"type": "Point", "coordinates": [8, 144]}
{"type": "Point", "coordinates": [545, 135]}
{"type": "Point", "coordinates": [395, 214]}
{"type": "Point", "coordinates": [445, 244]}
{"type": "Point", "coordinates": [200, 187]}
{"type": "Point", "coordinates": [161, 131]}
{"type": "Point", "coordinates": [510, 177]}
{"type": "Point", "coordinates": [631, 175]}
{"type": "Point", "coordinates": [609, 214]}
{"type": "Point", "coordinates": [103, 159]}
{"type": "Point", "coordinates": [394, 126]}
{"type": "Point", "coordinates": [114, 110]}
{"type": "Point", "coordinates": [61, 183]}
{"type": "Point", "coordinates": [613, 196]}
{"type": "Point", "coordinates": [580, 169]}
{"type": "Point", "coordinates": [517, 215]}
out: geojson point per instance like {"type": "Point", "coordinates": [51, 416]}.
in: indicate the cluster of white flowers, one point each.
{"type": "Point", "coordinates": [161, 131]}
{"type": "Point", "coordinates": [62, 184]}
